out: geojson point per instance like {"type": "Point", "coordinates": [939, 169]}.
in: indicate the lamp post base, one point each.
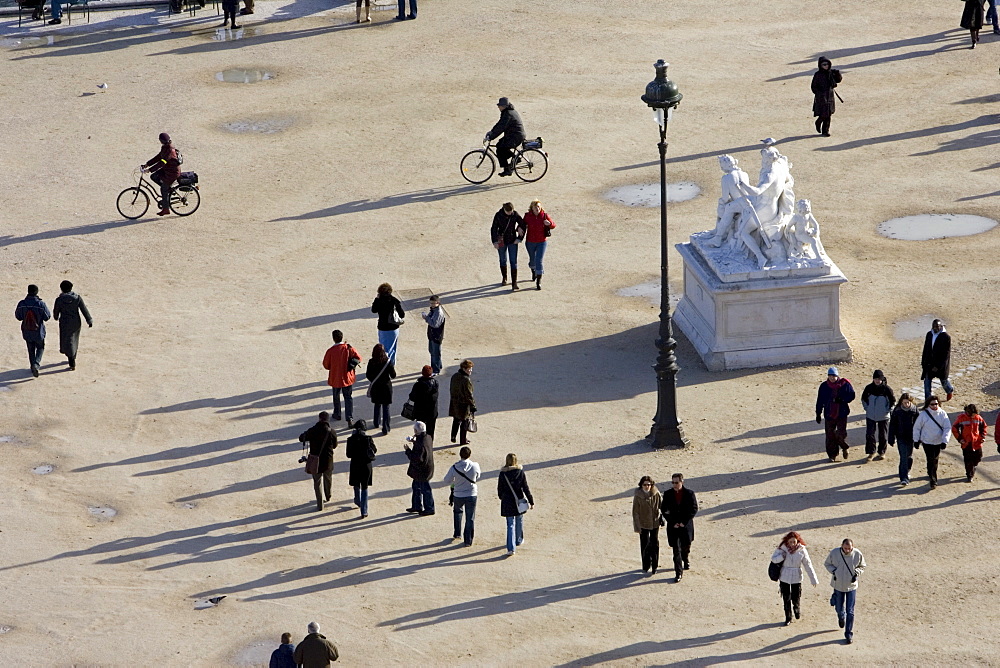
{"type": "Point", "coordinates": [668, 437]}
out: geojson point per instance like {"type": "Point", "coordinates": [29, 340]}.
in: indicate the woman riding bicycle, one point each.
{"type": "Point", "coordinates": [164, 169]}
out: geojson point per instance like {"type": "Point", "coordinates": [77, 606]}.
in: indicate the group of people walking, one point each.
{"type": "Point", "coordinates": [509, 229]}
{"type": "Point", "coordinates": [32, 312]}
{"type": "Point", "coordinates": [674, 510]}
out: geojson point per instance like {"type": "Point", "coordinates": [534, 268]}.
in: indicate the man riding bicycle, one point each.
{"type": "Point", "coordinates": [164, 169]}
{"type": "Point", "coordinates": [512, 129]}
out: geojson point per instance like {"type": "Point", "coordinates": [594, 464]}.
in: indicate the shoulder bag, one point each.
{"type": "Point", "coordinates": [352, 358]}
{"type": "Point", "coordinates": [368, 392]}
{"type": "Point", "coordinates": [774, 570]}
{"type": "Point", "coordinates": [312, 462]}
{"type": "Point", "coordinates": [396, 318]}
{"type": "Point", "coordinates": [854, 574]}
{"type": "Point", "coordinates": [522, 503]}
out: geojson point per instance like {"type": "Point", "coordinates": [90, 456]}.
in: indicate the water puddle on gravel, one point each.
{"type": "Point", "coordinates": [6, 439]}
{"type": "Point", "coordinates": [43, 469]}
{"type": "Point", "coordinates": [230, 35]}
{"type": "Point", "coordinates": [927, 226]}
{"type": "Point", "coordinates": [267, 126]}
{"type": "Point", "coordinates": [913, 328]}
{"type": "Point", "coordinates": [238, 75]}
{"type": "Point", "coordinates": [104, 512]}
{"type": "Point", "coordinates": [255, 654]}
{"type": "Point", "coordinates": [27, 42]}
{"type": "Point", "coordinates": [648, 194]}
{"type": "Point", "coordinates": [650, 291]}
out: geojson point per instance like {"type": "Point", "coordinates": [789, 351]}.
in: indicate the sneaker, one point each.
{"type": "Point", "coordinates": [456, 537]}
{"type": "Point", "coordinates": [511, 553]}
{"type": "Point", "coordinates": [870, 457]}
{"type": "Point", "coordinates": [413, 510]}
{"type": "Point", "coordinates": [933, 485]}
{"type": "Point", "coordinates": [879, 458]}
{"type": "Point", "coordinates": [849, 640]}
{"type": "Point", "coordinates": [904, 483]}
{"type": "Point", "coordinates": [968, 478]}
{"type": "Point", "coordinates": [833, 459]}
{"type": "Point", "coordinates": [950, 395]}
{"type": "Point", "coordinates": [34, 371]}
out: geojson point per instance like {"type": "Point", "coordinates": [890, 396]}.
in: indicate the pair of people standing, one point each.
{"type": "Point", "coordinates": [32, 312]}
{"type": "Point", "coordinates": [675, 510]}
{"type": "Point", "coordinates": [509, 229]}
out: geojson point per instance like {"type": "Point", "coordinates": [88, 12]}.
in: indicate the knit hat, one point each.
{"type": "Point", "coordinates": [832, 371]}
{"type": "Point", "coordinates": [313, 627]}
{"type": "Point", "coordinates": [878, 374]}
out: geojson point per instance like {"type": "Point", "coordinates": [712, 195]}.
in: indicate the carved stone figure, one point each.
{"type": "Point", "coordinates": [802, 233]}
{"type": "Point", "coordinates": [735, 186]}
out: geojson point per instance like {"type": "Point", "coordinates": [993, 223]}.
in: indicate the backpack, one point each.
{"type": "Point", "coordinates": [30, 322]}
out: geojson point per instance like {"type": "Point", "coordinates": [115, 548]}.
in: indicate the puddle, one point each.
{"type": "Point", "coordinates": [649, 194]}
{"type": "Point", "coordinates": [239, 75]}
{"type": "Point", "coordinates": [229, 35]}
{"type": "Point", "coordinates": [255, 654]}
{"type": "Point", "coordinates": [267, 126]}
{"type": "Point", "coordinates": [187, 506]}
{"type": "Point", "coordinates": [914, 328]}
{"type": "Point", "coordinates": [6, 439]}
{"type": "Point", "coordinates": [934, 226]}
{"type": "Point", "coordinates": [27, 42]}
{"type": "Point", "coordinates": [163, 31]}
{"type": "Point", "coordinates": [105, 512]}
{"type": "Point", "coordinates": [43, 469]}
{"type": "Point", "coordinates": [650, 291]}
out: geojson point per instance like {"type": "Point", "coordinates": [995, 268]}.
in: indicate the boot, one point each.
{"type": "Point", "coordinates": [359, 13]}
{"type": "Point", "coordinates": [163, 212]}
{"type": "Point", "coordinates": [538, 282]}
{"type": "Point", "coordinates": [513, 279]}
{"type": "Point", "coordinates": [503, 272]}
{"type": "Point", "coordinates": [826, 127]}
{"type": "Point", "coordinates": [819, 124]}
{"type": "Point", "coordinates": [368, 19]}
{"type": "Point", "coordinates": [533, 274]}
{"type": "Point", "coordinates": [72, 363]}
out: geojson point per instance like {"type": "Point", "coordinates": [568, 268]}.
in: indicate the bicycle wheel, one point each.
{"type": "Point", "coordinates": [133, 203]}
{"type": "Point", "coordinates": [478, 166]}
{"type": "Point", "coordinates": [531, 165]}
{"type": "Point", "coordinates": [185, 200]}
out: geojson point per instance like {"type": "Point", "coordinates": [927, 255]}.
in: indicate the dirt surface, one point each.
{"type": "Point", "coordinates": [203, 365]}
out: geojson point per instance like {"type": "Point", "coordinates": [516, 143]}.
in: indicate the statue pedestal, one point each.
{"type": "Point", "coordinates": [755, 322]}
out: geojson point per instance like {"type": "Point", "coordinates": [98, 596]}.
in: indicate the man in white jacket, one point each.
{"type": "Point", "coordinates": [463, 476]}
{"type": "Point", "coordinates": [933, 431]}
{"type": "Point", "coordinates": [845, 564]}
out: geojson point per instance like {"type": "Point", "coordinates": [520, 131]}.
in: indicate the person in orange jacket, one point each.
{"type": "Point", "coordinates": [341, 360]}
{"type": "Point", "coordinates": [970, 430]}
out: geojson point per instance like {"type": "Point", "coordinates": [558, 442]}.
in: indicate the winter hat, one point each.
{"type": "Point", "coordinates": [313, 627]}
{"type": "Point", "coordinates": [878, 374]}
{"type": "Point", "coordinates": [823, 59]}
{"type": "Point", "coordinates": [503, 102]}
{"type": "Point", "coordinates": [832, 371]}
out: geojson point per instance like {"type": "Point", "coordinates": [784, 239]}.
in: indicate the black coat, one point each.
{"type": "Point", "coordinates": [511, 127]}
{"type": "Point", "coordinates": [823, 83]}
{"type": "Point", "coordinates": [357, 451]}
{"type": "Point", "coordinates": [679, 513]}
{"type": "Point", "coordinates": [424, 396]}
{"type": "Point", "coordinates": [935, 361]}
{"type": "Point", "coordinates": [381, 389]}
{"type": "Point", "coordinates": [322, 442]}
{"type": "Point", "coordinates": [421, 458]}
{"type": "Point", "coordinates": [901, 425]}
{"type": "Point", "coordinates": [384, 305]}
{"type": "Point", "coordinates": [507, 228]}
{"type": "Point", "coordinates": [972, 15]}
{"type": "Point", "coordinates": [508, 499]}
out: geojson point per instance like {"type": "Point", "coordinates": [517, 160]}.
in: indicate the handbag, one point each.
{"type": "Point", "coordinates": [407, 412]}
{"type": "Point", "coordinates": [774, 570]}
{"type": "Point", "coordinates": [312, 462]}
{"type": "Point", "coordinates": [396, 318]}
{"type": "Point", "coordinates": [471, 426]}
{"type": "Point", "coordinates": [522, 504]}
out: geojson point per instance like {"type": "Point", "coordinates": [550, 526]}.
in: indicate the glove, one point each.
{"type": "Point", "coordinates": [819, 420]}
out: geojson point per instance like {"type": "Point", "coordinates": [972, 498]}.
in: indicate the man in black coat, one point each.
{"type": "Point", "coordinates": [678, 509]}
{"type": "Point", "coordinates": [512, 129]}
{"type": "Point", "coordinates": [421, 469]}
{"type": "Point", "coordinates": [824, 80]}
{"type": "Point", "coordinates": [322, 442]}
{"type": "Point", "coordinates": [936, 359]}
{"type": "Point", "coordinates": [424, 396]}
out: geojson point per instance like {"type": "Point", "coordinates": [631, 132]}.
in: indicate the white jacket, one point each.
{"type": "Point", "coordinates": [794, 562]}
{"type": "Point", "coordinates": [926, 430]}
{"type": "Point", "coordinates": [464, 488]}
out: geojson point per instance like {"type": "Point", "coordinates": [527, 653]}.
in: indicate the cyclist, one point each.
{"type": "Point", "coordinates": [512, 129]}
{"type": "Point", "coordinates": [164, 168]}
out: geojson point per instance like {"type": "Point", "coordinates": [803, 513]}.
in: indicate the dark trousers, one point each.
{"type": "Point", "coordinates": [649, 546]}
{"type": "Point", "coordinates": [402, 8]}
{"type": "Point", "coordinates": [505, 149]}
{"type": "Point", "coordinates": [458, 425]}
{"type": "Point", "coordinates": [229, 10]}
{"type": "Point", "coordinates": [681, 545]}
{"type": "Point", "coordinates": [972, 459]}
{"type": "Point", "coordinates": [836, 436]}
{"type": "Point", "coordinates": [422, 497]}
{"type": "Point", "coordinates": [872, 426]}
{"type": "Point", "coordinates": [468, 505]}
{"type": "Point", "coordinates": [823, 124]}
{"type": "Point", "coordinates": [164, 187]}
{"type": "Point", "coordinates": [35, 350]}
{"type": "Point", "coordinates": [327, 479]}
{"type": "Point", "coordinates": [431, 423]}
{"type": "Point", "coordinates": [382, 411]}
{"type": "Point", "coordinates": [933, 452]}
{"type": "Point", "coordinates": [348, 402]}
{"type": "Point", "coordinates": [791, 594]}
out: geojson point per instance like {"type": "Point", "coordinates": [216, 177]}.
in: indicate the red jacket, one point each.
{"type": "Point", "coordinates": [536, 225]}
{"type": "Point", "coordinates": [970, 430]}
{"type": "Point", "coordinates": [335, 361]}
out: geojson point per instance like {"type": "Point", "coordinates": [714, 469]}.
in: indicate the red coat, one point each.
{"type": "Point", "coordinates": [165, 164]}
{"type": "Point", "coordinates": [970, 430]}
{"type": "Point", "coordinates": [335, 361]}
{"type": "Point", "coordinates": [536, 225]}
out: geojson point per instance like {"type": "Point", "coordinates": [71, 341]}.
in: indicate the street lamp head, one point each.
{"type": "Point", "coordinates": [661, 92]}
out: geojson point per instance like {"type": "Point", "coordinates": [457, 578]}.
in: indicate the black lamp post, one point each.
{"type": "Point", "coordinates": [662, 96]}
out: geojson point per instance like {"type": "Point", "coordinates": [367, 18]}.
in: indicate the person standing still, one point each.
{"type": "Point", "coordinates": [846, 564]}
{"type": "Point", "coordinates": [935, 360]}
{"type": "Point", "coordinates": [824, 82]}
{"type": "Point", "coordinates": [970, 430]}
{"type": "Point", "coordinates": [284, 656]}
{"type": "Point", "coordinates": [32, 312]}
{"type": "Point", "coordinates": [380, 373]}
{"type": "Point", "coordinates": [402, 8]}
{"type": "Point", "coordinates": [463, 476]}
{"type": "Point", "coordinates": [341, 360]}
{"type": "Point", "coordinates": [646, 522]}
{"type": "Point", "coordinates": [421, 469]}
{"type": "Point", "coordinates": [463, 404]}
{"type": "Point", "coordinates": [679, 508]}
{"type": "Point", "coordinates": [901, 435]}
{"type": "Point", "coordinates": [877, 400]}
{"type": "Point", "coordinates": [424, 395]}
{"type": "Point", "coordinates": [540, 227]}
{"type": "Point", "coordinates": [435, 319]}
{"type": "Point", "coordinates": [793, 556]}
{"type": "Point", "coordinates": [322, 442]}
{"type": "Point", "coordinates": [67, 309]}
{"type": "Point", "coordinates": [506, 232]}
{"type": "Point", "coordinates": [832, 401]}
{"type": "Point", "coordinates": [390, 317]}
{"type": "Point", "coordinates": [512, 485]}
{"type": "Point", "coordinates": [315, 651]}
{"type": "Point", "coordinates": [361, 451]}
{"type": "Point", "coordinates": [933, 431]}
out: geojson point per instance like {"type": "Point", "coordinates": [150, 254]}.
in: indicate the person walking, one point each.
{"type": "Point", "coordinates": [506, 232]}
{"type": "Point", "coordinates": [824, 82]}
{"type": "Point", "coordinates": [877, 400]}
{"type": "Point", "coordinates": [361, 451]}
{"type": "Point", "coordinates": [284, 656]}
{"type": "Point", "coordinates": [435, 319]}
{"type": "Point", "coordinates": [512, 129]}
{"type": "Point", "coordinates": [646, 522]}
{"type": "Point", "coordinates": [32, 312]}
{"type": "Point", "coordinates": [390, 317]}
{"type": "Point", "coordinates": [512, 488]}
{"type": "Point", "coordinates": [972, 19]}
{"type": "Point", "coordinates": [933, 431]}
{"type": "Point", "coordinates": [341, 360]}
{"type": "Point", "coordinates": [322, 442]}
{"type": "Point", "coordinates": [229, 8]}
{"type": "Point", "coordinates": [462, 476]}
{"type": "Point", "coordinates": [421, 469]}
{"type": "Point", "coordinates": [679, 508]}
{"type": "Point", "coordinates": [793, 557]}
{"type": "Point", "coordinates": [380, 374]}
{"type": "Point", "coordinates": [901, 434]}
{"type": "Point", "coordinates": [970, 431]}
{"type": "Point", "coordinates": [935, 360]}
{"type": "Point", "coordinates": [845, 564]}
{"type": "Point", "coordinates": [539, 226]}
{"type": "Point", "coordinates": [832, 401]}
{"type": "Point", "coordinates": [424, 395]}
{"type": "Point", "coordinates": [991, 16]}
{"type": "Point", "coordinates": [66, 310]}
{"type": "Point", "coordinates": [463, 405]}
{"type": "Point", "coordinates": [315, 651]}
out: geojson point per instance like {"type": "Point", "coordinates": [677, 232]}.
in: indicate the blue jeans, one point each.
{"type": "Point", "coordinates": [56, 9]}
{"type": "Point", "coordinates": [423, 499]}
{"type": "Point", "coordinates": [536, 251]}
{"type": "Point", "coordinates": [382, 410]}
{"type": "Point", "coordinates": [361, 498]}
{"type": "Point", "coordinates": [402, 8]}
{"type": "Point", "coordinates": [842, 600]}
{"type": "Point", "coordinates": [389, 340]}
{"type": "Point", "coordinates": [35, 350]}
{"type": "Point", "coordinates": [510, 250]}
{"type": "Point", "coordinates": [945, 383]}
{"type": "Point", "coordinates": [515, 532]}
{"type": "Point", "coordinates": [991, 14]}
{"type": "Point", "coordinates": [348, 402]}
{"type": "Point", "coordinates": [905, 460]}
{"type": "Point", "coordinates": [434, 348]}
{"type": "Point", "coordinates": [468, 503]}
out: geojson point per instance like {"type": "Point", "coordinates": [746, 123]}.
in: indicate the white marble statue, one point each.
{"type": "Point", "coordinates": [802, 233]}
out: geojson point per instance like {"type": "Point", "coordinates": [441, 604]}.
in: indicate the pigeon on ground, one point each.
{"type": "Point", "coordinates": [215, 600]}
{"type": "Point", "coordinates": [102, 86]}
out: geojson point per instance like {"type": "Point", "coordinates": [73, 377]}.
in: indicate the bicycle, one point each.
{"type": "Point", "coordinates": [529, 162]}
{"type": "Point", "coordinates": [184, 196]}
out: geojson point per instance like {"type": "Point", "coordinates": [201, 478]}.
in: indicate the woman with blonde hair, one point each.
{"type": "Point", "coordinates": [646, 522]}
{"type": "Point", "coordinates": [512, 488]}
{"type": "Point", "coordinates": [793, 556]}
{"type": "Point", "coordinates": [540, 228]}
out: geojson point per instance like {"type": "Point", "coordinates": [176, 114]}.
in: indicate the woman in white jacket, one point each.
{"type": "Point", "coordinates": [793, 557]}
{"type": "Point", "coordinates": [933, 431]}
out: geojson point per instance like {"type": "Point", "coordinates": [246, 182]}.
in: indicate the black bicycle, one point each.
{"type": "Point", "coordinates": [529, 162]}
{"type": "Point", "coordinates": [184, 196]}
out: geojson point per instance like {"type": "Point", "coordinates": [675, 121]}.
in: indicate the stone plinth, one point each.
{"type": "Point", "coordinates": [738, 324]}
